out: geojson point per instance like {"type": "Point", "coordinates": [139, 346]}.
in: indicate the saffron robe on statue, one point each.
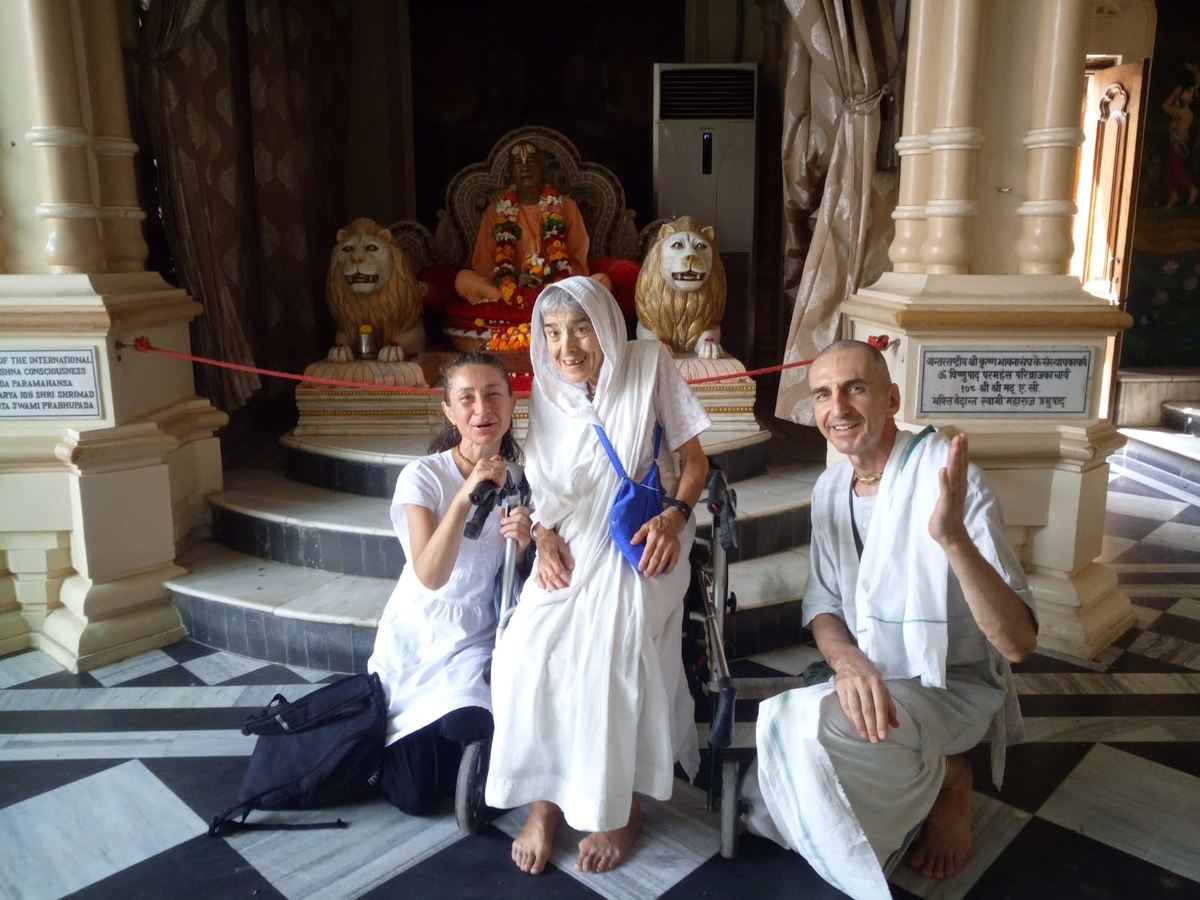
{"type": "Point", "coordinates": [844, 803]}
{"type": "Point", "coordinates": [588, 690]}
{"type": "Point", "coordinates": [529, 220]}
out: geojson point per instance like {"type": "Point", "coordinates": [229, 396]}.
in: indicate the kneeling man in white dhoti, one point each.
{"type": "Point", "coordinates": [588, 689]}
{"type": "Point", "coordinates": [918, 603]}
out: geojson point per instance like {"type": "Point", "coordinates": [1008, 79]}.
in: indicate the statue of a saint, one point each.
{"type": "Point", "coordinates": [531, 236]}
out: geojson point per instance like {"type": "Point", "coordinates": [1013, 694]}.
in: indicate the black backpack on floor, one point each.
{"type": "Point", "coordinates": [323, 750]}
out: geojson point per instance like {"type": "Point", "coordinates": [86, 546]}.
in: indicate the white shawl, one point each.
{"type": "Point", "coordinates": [902, 576]}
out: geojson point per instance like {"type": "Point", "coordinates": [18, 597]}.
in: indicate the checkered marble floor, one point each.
{"type": "Point", "coordinates": [107, 779]}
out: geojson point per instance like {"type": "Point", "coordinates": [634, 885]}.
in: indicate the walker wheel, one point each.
{"type": "Point", "coordinates": [469, 809]}
{"type": "Point", "coordinates": [730, 806]}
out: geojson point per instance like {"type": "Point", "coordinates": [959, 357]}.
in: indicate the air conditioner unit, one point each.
{"type": "Point", "coordinates": [705, 150]}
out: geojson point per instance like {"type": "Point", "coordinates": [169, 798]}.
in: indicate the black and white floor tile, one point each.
{"type": "Point", "coordinates": [107, 779]}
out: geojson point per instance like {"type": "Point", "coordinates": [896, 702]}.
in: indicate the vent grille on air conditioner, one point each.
{"type": "Point", "coordinates": [705, 93]}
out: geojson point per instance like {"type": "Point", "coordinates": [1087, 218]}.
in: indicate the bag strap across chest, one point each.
{"type": "Point", "coordinates": [612, 454]}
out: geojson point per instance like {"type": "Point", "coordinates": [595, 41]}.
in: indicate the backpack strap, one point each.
{"type": "Point", "coordinates": [270, 722]}
{"type": "Point", "coordinates": [228, 823]}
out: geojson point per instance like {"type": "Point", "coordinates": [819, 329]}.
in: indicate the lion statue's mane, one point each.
{"type": "Point", "coordinates": [677, 317]}
{"type": "Point", "coordinates": [392, 309]}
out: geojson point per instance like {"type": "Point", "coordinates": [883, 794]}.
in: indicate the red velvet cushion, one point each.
{"type": "Point", "coordinates": [439, 287]}
{"type": "Point", "coordinates": [623, 274]}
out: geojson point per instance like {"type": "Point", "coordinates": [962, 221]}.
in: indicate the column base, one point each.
{"type": "Point", "coordinates": [14, 632]}
{"type": "Point", "coordinates": [81, 645]}
{"type": "Point", "coordinates": [1081, 614]}
{"type": "Point", "coordinates": [138, 615]}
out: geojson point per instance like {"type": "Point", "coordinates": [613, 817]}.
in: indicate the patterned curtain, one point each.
{"type": "Point", "coordinates": [842, 56]}
{"type": "Point", "coordinates": [244, 104]}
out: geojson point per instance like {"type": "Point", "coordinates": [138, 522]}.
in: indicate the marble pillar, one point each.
{"type": "Point", "coordinates": [1052, 143]}
{"type": "Point", "coordinates": [106, 455]}
{"type": "Point", "coordinates": [955, 138]}
{"type": "Point", "coordinates": [1012, 355]}
{"type": "Point", "coordinates": [913, 147]}
{"type": "Point", "coordinates": [112, 144]}
{"type": "Point", "coordinates": [68, 209]}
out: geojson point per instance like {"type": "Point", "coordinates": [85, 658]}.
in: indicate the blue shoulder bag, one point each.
{"type": "Point", "coordinates": [635, 503]}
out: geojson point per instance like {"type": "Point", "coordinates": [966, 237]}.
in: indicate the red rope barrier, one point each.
{"type": "Point", "coordinates": [143, 345]}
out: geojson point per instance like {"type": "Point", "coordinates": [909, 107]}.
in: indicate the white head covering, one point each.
{"type": "Point", "coordinates": [601, 308]}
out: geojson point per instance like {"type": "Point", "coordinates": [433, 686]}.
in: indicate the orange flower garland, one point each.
{"type": "Point", "coordinates": [515, 337]}
{"type": "Point", "coordinates": [538, 270]}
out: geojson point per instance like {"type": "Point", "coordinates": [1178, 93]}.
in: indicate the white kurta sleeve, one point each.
{"type": "Point", "coordinates": [418, 485]}
{"type": "Point", "coordinates": [677, 408]}
{"type": "Point", "coordinates": [822, 593]}
{"type": "Point", "coordinates": [985, 524]}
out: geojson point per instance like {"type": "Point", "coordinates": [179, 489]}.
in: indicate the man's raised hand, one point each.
{"type": "Point", "coordinates": [946, 524]}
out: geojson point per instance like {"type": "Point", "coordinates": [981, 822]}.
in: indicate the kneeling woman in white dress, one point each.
{"type": "Point", "coordinates": [588, 688]}
{"type": "Point", "coordinates": [439, 626]}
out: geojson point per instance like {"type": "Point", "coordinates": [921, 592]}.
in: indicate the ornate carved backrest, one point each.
{"type": "Point", "coordinates": [593, 187]}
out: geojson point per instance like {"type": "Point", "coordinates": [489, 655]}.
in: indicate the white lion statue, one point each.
{"type": "Point", "coordinates": [371, 282]}
{"type": "Point", "coordinates": [680, 294]}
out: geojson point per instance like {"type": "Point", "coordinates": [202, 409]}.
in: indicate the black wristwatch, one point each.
{"type": "Point", "coordinates": [679, 505]}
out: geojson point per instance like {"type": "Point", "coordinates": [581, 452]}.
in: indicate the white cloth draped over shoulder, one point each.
{"type": "Point", "coordinates": [432, 645]}
{"type": "Point", "coordinates": [588, 690]}
{"type": "Point", "coordinates": [901, 608]}
{"type": "Point", "coordinates": [843, 803]}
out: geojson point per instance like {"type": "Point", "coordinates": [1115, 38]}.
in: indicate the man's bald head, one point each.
{"type": "Point", "coordinates": [876, 364]}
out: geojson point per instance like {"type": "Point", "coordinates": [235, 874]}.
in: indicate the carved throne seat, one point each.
{"type": "Point", "coordinates": [615, 243]}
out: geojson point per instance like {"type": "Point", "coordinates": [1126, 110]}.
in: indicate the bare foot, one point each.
{"type": "Point", "coordinates": [604, 850]}
{"type": "Point", "coordinates": [945, 840]}
{"type": "Point", "coordinates": [531, 848]}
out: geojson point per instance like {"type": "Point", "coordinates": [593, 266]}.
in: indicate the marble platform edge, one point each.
{"type": "Point", "coordinates": [220, 608]}
{"type": "Point", "coordinates": [774, 516]}
{"type": "Point", "coordinates": [759, 629]}
{"type": "Point", "coordinates": [228, 625]}
{"type": "Point", "coordinates": [340, 465]}
{"type": "Point", "coordinates": [399, 450]}
{"type": "Point", "coordinates": [1173, 485]}
{"type": "Point", "coordinates": [353, 552]}
{"type": "Point", "coordinates": [348, 552]}
{"type": "Point", "coordinates": [1145, 454]}
{"type": "Point", "coordinates": [367, 478]}
{"type": "Point", "coordinates": [341, 647]}
{"type": "Point", "coordinates": [1183, 416]}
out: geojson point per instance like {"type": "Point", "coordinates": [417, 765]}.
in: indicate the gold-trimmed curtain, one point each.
{"type": "Point", "coordinates": [844, 63]}
{"type": "Point", "coordinates": [244, 103]}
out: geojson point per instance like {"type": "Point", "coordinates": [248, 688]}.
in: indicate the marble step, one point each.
{"type": "Point", "coordinates": [277, 612]}
{"type": "Point", "coordinates": [267, 514]}
{"type": "Point", "coordinates": [368, 464]}
{"type": "Point", "coordinates": [1167, 459]}
{"type": "Point", "coordinates": [1182, 415]}
{"type": "Point", "coordinates": [326, 620]}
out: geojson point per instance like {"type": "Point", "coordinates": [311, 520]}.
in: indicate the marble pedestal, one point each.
{"type": "Point", "coordinates": [104, 481]}
{"type": "Point", "coordinates": [333, 410]}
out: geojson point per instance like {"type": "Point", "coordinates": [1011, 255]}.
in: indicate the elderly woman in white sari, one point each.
{"type": "Point", "coordinates": [588, 689]}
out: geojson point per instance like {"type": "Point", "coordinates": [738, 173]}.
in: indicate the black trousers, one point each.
{"type": "Point", "coordinates": [420, 769]}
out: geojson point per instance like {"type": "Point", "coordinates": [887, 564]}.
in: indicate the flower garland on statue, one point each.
{"type": "Point", "coordinates": [540, 270]}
